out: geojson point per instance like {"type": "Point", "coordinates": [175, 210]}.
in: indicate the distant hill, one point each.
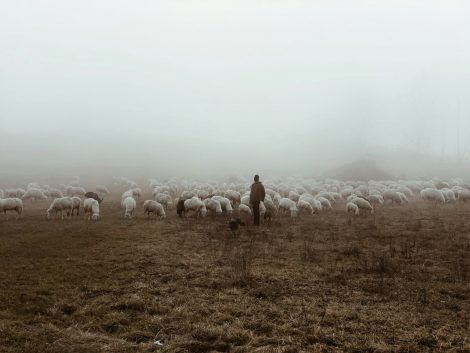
{"type": "Point", "coordinates": [359, 170]}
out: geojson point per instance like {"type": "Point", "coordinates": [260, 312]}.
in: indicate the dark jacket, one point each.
{"type": "Point", "coordinates": [257, 193]}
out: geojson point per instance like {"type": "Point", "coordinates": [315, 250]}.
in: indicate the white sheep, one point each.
{"type": "Point", "coordinates": [375, 199]}
{"type": "Point", "coordinates": [62, 204]}
{"type": "Point", "coordinates": [101, 189]}
{"type": "Point", "coordinates": [11, 204]}
{"type": "Point", "coordinates": [76, 201]}
{"type": "Point", "coordinates": [233, 196]}
{"type": "Point", "coordinates": [352, 208]}
{"type": "Point", "coordinates": [431, 194]}
{"type": "Point", "coordinates": [92, 208]}
{"type": "Point", "coordinates": [34, 194]}
{"type": "Point", "coordinates": [15, 193]}
{"type": "Point", "coordinates": [196, 205]}
{"type": "Point", "coordinates": [325, 203]}
{"type": "Point", "coordinates": [224, 203]}
{"type": "Point", "coordinates": [286, 204]}
{"type": "Point", "coordinates": [164, 199]}
{"type": "Point", "coordinates": [151, 206]}
{"type": "Point", "coordinates": [136, 193]}
{"type": "Point", "coordinates": [304, 206]}
{"type": "Point", "coordinates": [76, 191]}
{"type": "Point", "coordinates": [363, 204]}
{"type": "Point", "coordinates": [55, 193]}
{"type": "Point", "coordinates": [213, 205]}
{"type": "Point", "coordinates": [129, 206]}
{"type": "Point", "coordinates": [245, 212]}
{"type": "Point", "coordinates": [463, 195]}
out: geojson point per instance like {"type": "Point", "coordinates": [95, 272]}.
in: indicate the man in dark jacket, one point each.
{"type": "Point", "coordinates": [257, 195]}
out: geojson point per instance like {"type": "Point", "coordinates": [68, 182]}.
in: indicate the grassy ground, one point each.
{"type": "Point", "coordinates": [396, 282]}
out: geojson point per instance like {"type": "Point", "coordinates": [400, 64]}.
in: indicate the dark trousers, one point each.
{"type": "Point", "coordinates": [256, 213]}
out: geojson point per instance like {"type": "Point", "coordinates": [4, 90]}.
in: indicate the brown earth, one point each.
{"type": "Point", "coordinates": [396, 282]}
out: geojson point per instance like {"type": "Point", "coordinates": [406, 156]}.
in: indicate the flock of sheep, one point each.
{"type": "Point", "coordinates": [293, 197]}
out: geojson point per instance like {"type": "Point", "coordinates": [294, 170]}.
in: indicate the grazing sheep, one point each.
{"type": "Point", "coordinates": [11, 204]}
{"type": "Point", "coordinates": [286, 204]}
{"type": "Point", "coordinates": [102, 189]}
{"type": "Point", "coordinates": [15, 193]}
{"type": "Point", "coordinates": [325, 203]}
{"type": "Point", "coordinates": [164, 199]}
{"type": "Point", "coordinates": [393, 196]}
{"type": "Point", "coordinates": [196, 205]}
{"type": "Point", "coordinates": [376, 199]}
{"type": "Point", "coordinates": [233, 196]}
{"type": "Point", "coordinates": [463, 195]}
{"type": "Point", "coordinates": [363, 204]}
{"type": "Point", "coordinates": [91, 207]}
{"type": "Point", "coordinates": [76, 191]}
{"type": "Point", "coordinates": [34, 195]}
{"type": "Point", "coordinates": [63, 204]}
{"type": "Point", "coordinates": [294, 196]}
{"type": "Point", "coordinates": [56, 193]}
{"type": "Point", "coordinates": [129, 206]}
{"type": "Point", "coordinates": [137, 193]}
{"type": "Point", "coordinates": [151, 206]}
{"type": "Point", "coordinates": [245, 212]}
{"type": "Point", "coordinates": [304, 206]}
{"type": "Point", "coordinates": [93, 195]}
{"type": "Point", "coordinates": [125, 195]}
{"type": "Point", "coordinates": [352, 208]}
{"type": "Point", "coordinates": [76, 201]}
{"type": "Point", "coordinates": [213, 205]}
{"type": "Point", "coordinates": [431, 194]}
{"type": "Point", "coordinates": [225, 204]}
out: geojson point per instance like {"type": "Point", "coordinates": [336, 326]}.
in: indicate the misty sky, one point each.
{"type": "Point", "coordinates": [235, 85]}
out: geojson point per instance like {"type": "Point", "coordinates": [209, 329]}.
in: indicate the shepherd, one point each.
{"type": "Point", "coordinates": [257, 195]}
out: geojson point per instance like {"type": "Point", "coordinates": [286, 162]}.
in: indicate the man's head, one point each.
{"type": "Point", "coordinates": [256, 177]}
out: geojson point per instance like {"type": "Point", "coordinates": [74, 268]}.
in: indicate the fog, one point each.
{"type": "Point", "coordinates": [219, 88]}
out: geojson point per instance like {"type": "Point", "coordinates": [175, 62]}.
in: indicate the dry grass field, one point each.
{"type": "Point", "coordinates": [396, 282]}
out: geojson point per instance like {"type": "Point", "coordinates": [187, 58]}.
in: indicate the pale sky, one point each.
{"type": "Point", "coordinates": [186, 86]}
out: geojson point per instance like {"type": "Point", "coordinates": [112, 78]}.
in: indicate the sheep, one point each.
{"type": "Point", "coordinates": [224, 203]}
{"type": "Point", "coordinates": [304, 206]}
{"type": "Point", "coordinates": [286, 204]}
{"type": "Point", "coordinates": [76, 191]}
{"type": "Point", "coordinates": [15, 193]}
{"type": "Point", "coordinates": [101, 189]}
{"type": "Point", "coordinates": [34, 194]}
{"type": "Point", "coordinates": [352, 208]}
{"type": "Point", "coordinates": [129, 206]}
{"type": "Point", "coordinates": [233, 196]}
{"type": "Point", "coordinates": [93, 195]}
{"type": "Point", "coordinates": [325, 203]}
{"type": "Point", "coordinates": [363, 204]}
{"type": "Point", "coordinates": [376, 199]}
{"type": "Point", "coordinates": [164, 199]}
{"type": "Point", "coordinates": [76, 201]}
{"type": "Point", "coordinates": [463, 195]}
{"type": "Point", "coordinates": [151, 206]}
{"type": "Point", "coordinates": [137, 193]}
{"type": "Point", "coordinates": [92, 207]}
{"type": "Point", "coordinates": [431, 194]}
{"type": "Point", "coordinates": [245, 212]}
{"type": "Point", "coordinates": [393, 196]}
{"type": "Point", "coordinates": [294, 196]}
{"type": "Point", "coordinates": [55, 193]}
{"type": "Point", "coordinates": [196, 205]}
{"type": "Point", "coordinates": [213, 205]}
{"type": "Point", "coordinates": [60, 205]}
{"type": "Point", "coordinates": [11, 204]}
{"type": "Point", "coordinates": [125, 195]}
{"type": "Point", "coordinates": [448, 195]}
